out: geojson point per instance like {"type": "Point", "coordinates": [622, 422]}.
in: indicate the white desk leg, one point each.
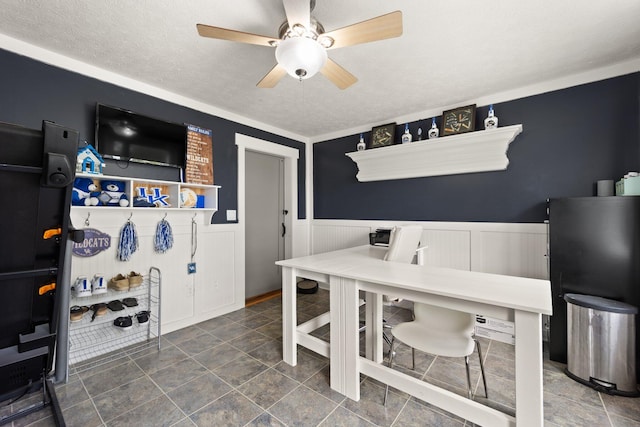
{"type": "Point", "coordinates": [289, 342]}
{"type": "Point", "coordinates": [345, 346]}
{"type": "Point", "coordinates": [374, 329]}
{"type": "Point", "coordinates": [529, 396]}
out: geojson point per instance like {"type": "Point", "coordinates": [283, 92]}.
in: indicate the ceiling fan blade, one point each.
{"type": "Point", "coordinates": [298, 12]}
{"type": "Point", "coordinates": [380, 28]}
{"type": "Point", "coordinates": [338, 75]}
{"type": "Point", "coordinates": [273, 77]}
{"type": "Point", "coordinates": [233, 35]}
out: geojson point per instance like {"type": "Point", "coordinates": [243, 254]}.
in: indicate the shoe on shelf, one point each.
{"type": "Point", "coordinates": [119, 283]}
{"type": "Point", "coordinates": [135, 279]}
{"type": "Point", "coordinates": [130, 302]}
{"type": "Point", "coordinates": [77, 312]}
{"type": "Point", "coordinates": [115, 305]}
{"type": "Point", "coordinates": [99, 309]}
{"type": "Point", "coordinates": [143, 316]}
{"type": "Point", "coordinates": [81, 288]}
{"type": "Point", "coordinates": [123, 323]}
{"type": "Point", "coordinates": [98, 284]}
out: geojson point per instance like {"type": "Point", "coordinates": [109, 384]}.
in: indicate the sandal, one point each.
{"type": "Point", "coordinates": [77, 312]}
{"type": "Point", "coordinates": [130, 302]}
{"type": "Point", "coordinates": [115, 305]}
{"type": "Point", "coordinates": [98, 310]}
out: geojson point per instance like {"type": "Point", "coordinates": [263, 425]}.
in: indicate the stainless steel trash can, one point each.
{"type": "Point", "coordinates": [601, 349]}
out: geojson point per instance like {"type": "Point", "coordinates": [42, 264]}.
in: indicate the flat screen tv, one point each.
{"type": "Point", "coordinates": [128, 136]}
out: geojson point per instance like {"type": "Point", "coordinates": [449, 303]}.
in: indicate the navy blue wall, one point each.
{"type": "Point", "coordinates": [571, 139]}
{"type": "Point", "coordinates": [31, 91]}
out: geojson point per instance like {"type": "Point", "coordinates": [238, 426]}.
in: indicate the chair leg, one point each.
{"type": "Point", "coordinates": [413, 358]}
{"type": "Point", "coordinates": [484, 378]}
{"type": "Point", "coordinates": [391, 354]}
{"type": "Point", "coordinates": [466, 364]}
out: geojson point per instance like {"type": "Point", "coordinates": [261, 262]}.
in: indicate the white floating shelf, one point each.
{"type": "Point", "coordinates": [479, 151]}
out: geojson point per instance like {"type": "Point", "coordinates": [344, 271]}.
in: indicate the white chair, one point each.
{"type": "Point", "coordinates": [441, 332]}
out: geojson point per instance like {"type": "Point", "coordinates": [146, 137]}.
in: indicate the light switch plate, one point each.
{"type": "Point", "coordinates": [231, 215]}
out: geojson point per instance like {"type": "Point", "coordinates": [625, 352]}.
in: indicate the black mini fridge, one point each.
{"type": "Point", "coordinates": [594, 249]}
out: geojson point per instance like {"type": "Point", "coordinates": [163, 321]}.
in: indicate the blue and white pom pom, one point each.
{"type": "Point", "coordinates": [163, 240]}
{"type": "Point", "coordinates": [128, 241]}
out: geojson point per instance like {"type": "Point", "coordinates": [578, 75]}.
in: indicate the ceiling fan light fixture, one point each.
{"type": "Point", "coordinates": [301, 57]}
{"type": "Point", "coordinates": [326, 41]}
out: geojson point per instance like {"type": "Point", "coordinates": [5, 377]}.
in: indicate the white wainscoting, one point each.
{"type": "Point", "coordinates": [502, 248]}
{"type": "Point", "coordinates": [216, 288]}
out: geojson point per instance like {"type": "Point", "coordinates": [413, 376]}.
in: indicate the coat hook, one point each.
{"type": "Point", "coordinates": [86, 221]}
{"type": "Point", "coordinates": [165, 216]}
{"type": "Point", "coordinates": [130, 215]}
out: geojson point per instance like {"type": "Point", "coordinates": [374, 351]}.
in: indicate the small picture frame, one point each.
{"type": "Point", "coordinates": [459, 120]}
{"type": "Point", "coordinates": [382, 136]}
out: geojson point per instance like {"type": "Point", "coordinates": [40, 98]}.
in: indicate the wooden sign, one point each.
{"type": "Point", "coordinates": [199, 168]}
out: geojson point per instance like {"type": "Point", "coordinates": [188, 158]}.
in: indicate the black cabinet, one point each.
{"type": "Point", "coordinates": [594, 248]}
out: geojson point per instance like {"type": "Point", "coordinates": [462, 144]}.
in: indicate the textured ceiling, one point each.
{"type": "Point", "coordinates": [451, 52]}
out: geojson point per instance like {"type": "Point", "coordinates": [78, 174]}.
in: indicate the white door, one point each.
{"type": "Point", "coordinates": [264, 216]}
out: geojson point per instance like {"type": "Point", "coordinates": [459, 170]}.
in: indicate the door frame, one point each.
{"type": "Point", "coordinates": [290, 156]}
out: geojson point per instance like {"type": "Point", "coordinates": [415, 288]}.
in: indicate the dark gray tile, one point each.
{"type": "Point", "coordinates": [115, 377]}
{"type": "Point", "coordinates": [269, 353]}
{"type": "Point", "coordinates": [198, 393]}
{"type": "Point", "coordinates": [229, 332]}
{"type": "Point", "coordinates": [240, 370]}
{"type": "Point", "coordinates": [273, 329]}
{"type": "Point", "coordinates": [497, 348]}
{"type": "Point", "coordinates": [216, 322]}
{"type": "Point", "coordinates": [160, 359]}
{"type": "Point", "coordinates": [371, 408]}
{"type": "Point", "coordinates": [321, 383]}
{"type": "Point", "coordinates": [159, 412]}
{"type": "Point", "coordinates": [249, 341]}
{"type": "Point", "coordinates": [267, 388]}
{"type": "Point", "coordinates": [83, 414]}
{"type": "Point", "coordinates": [499, 366]}
{"type": "Point", "coordinates": [184, 334]}
{"type": "Point", "coordinates": [218, 356]}
{"type": "Point", "coordinates": [624, 406]}
{"type": "Point", "coordinates": [618, 421]}
{"type": "Point", "coordinates": [231, 410]}
{"type": "Point", "coordinates": [185, 422]}
{"type": "Point", "coordinates": [302, 407]}
{"type": "Point", "coordinates": [416, 415]}
{"type": "Point", "coordinates": [254, 321]}
{"type": "Point", "coordinates": [306, 367]}
{"type": "Point", "coordinates": [265, 420]}
{"type": "Point", "coordinates": [342, 417]}
{"type": "Point", "coordinates": [70, 394]}
{"type": "Point", "coordinates": [199, 344]}
{"type": "Point", "coordinates": [449, 371]}
{"type": "Point", "coordinates": [126, 397]}
{"type": "Point", "coordinates": [177, 374]}
{"type": "Point", "coordinates": [562, 411]}
{"type": "Point", "coordinates": [561, 385]}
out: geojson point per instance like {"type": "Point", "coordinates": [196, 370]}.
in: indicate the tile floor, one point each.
{"type": "Point", "coordinates": [228, 371]}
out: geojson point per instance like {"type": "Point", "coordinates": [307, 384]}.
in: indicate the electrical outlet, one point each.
{"type": "Point", "coordinates": [191, 268]}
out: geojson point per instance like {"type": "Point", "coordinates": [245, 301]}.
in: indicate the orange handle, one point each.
{"type": "Point", "coordinates": [52, 232]}
{"type": "Point", "coordinates": [46, 288]}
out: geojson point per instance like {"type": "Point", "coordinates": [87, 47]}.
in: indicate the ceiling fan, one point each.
{"type": "Point", "coordinates": [301, 49]}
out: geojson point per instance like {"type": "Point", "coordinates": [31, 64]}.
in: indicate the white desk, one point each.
{"type": "Point", "coordinates": [350, 270]}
